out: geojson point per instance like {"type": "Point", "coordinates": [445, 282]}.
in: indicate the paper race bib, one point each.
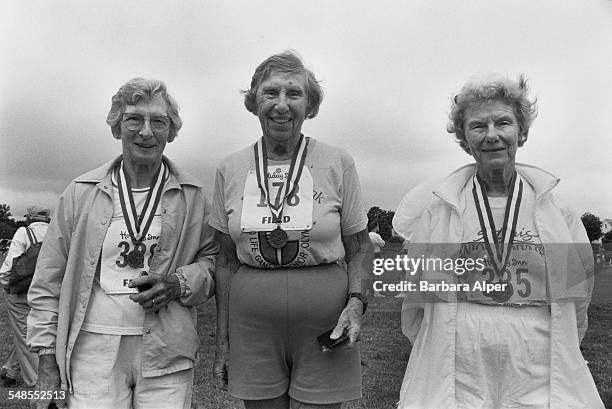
{"type": "Point", "coordinates": [115, 272]}
{"type": "Point", "coordinates": [525, 274]}
{"type": "Point", "coordinates": [297, 211]}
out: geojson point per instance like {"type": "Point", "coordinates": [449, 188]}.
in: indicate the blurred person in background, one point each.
{"type": "Point", "coordinates": [20, 358]}
{"type": "Point", "coordinates": [377, 243]}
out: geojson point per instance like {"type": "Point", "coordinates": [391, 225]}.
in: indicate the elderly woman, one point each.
{"type": "Point", "coordinates": [514, 343]}
{"type": "Point", "coordinates": [294, 249]}
{"type": "Point", "coordinates": [126, 259]}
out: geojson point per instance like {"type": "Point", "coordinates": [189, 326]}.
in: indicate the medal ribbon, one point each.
{"type": "Point", "coordinates": [498, 247]}
{"type": "Point", "coordinates": [133, 221]}
{"type": "Point", "coordinates": [293, 177]}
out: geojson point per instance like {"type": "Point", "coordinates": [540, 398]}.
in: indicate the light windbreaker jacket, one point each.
{"type": "Point", "coordinates": [430, 216]}
{"type": "Point", "coordinates": [67, 263]}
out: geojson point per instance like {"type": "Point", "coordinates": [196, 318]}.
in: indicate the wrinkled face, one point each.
{"type": "Point", "coordinates": [282, 104]}
{"type": "Point", "coordinates": [143, 131]}
{"type": "Point", "coordinates": [492, 134]}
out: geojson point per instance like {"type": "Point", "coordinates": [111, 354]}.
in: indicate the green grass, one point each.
{"type": "Point", "coordinates": [597, 344]}
{"type": "Point", "coordinates": [384, 352]}
{"type": "Point", "coordinates": [384, 357]}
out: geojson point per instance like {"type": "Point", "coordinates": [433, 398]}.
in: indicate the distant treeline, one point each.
{"type": "Point", "coordinates": [8, 225]}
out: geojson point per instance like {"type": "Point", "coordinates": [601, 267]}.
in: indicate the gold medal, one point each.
{"type": "Point", "coordinates": [138, 225]}
{"type": "Point", "coordinates": [502, 296]}
{"type": "Point", "coordinates": [278, 238]}
{"type": "Point", "coordinates": [499, 246]}
{"type": "Point", "coordinates": [135, 259]}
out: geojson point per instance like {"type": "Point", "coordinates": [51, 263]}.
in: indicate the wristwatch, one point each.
{"type": "Point", "coordinates": [361, 298]}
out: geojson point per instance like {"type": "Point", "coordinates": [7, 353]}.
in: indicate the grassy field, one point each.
{"type": "Point", "coordinates": [385, 352]}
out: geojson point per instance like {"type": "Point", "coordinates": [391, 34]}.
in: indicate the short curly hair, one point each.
{"type": "Point", "coordinates": [490, 88]}
{"type": "Point", "coordinates": [285, 62]}
{"type": "Point", "coordinates": [139, 89]}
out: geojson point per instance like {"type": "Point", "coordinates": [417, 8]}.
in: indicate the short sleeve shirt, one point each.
{"type": "Point", "coordinates": [338, 209]}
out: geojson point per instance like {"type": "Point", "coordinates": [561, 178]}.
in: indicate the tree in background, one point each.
{"type": "Point", "coordinates": [384, 218]}
{"type": "Point", "coordinates": [374, 213]}
{"type": "Point", "coordinates": [5, 213]}
{"type": "Point", "coordinates": [7, 223]}
{"type": "Point", "coordinates": [592, 224]}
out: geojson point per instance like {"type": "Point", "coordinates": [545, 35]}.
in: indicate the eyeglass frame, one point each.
{"type": "Point", "coordinates": [145, 118]}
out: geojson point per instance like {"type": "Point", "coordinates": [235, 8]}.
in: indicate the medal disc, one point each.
{"type": "Point", "coordinates": [504, 295]}
{"type": "Point", "coordinates": [135, 259]}
{"type": "Point", "coordinates": [278, 238]}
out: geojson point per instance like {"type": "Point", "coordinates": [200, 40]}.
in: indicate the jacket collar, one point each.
{"type": "Point", "coordinates": [103, 173]}
{"type": "Point", "coordinates": [38, 224]}
{"type": "Point", "coordinates": [451, 188]}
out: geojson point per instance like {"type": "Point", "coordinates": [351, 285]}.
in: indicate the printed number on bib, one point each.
{"type": "Point", "coordinates": [297, 212]}
{"type": "Point", "coordinates": [115, 270]}
{"type": "Point", "coordinates": [518, 278]}
{"type": "Point", "coordinates": [141, 247]}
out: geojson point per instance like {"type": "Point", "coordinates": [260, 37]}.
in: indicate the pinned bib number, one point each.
{"type": "Point", "coordinates": [297, 210]}
{"type": "Point", "coordinates": [122, 260]}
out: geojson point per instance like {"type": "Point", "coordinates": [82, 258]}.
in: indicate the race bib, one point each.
{"type": "Point", "coordinates": [115, 272]}
{"type": "Point", "coordinates": [524, 277]}
{"type": "Point", "coordinates": [297, 211]}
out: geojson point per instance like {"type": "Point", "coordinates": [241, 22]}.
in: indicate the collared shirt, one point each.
{"type": "Point", "coordinates": [71, 253]}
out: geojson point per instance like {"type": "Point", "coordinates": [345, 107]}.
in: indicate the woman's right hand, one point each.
{"type": "Point", "coordinates": [221, 364]}
{"type": "Point", "coordinates": [48, 383]}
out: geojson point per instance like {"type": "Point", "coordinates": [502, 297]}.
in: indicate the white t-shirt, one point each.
{"type": "Point", "coordinates": [377, 241]}
{"type": "Point", "coordinates": [110, 310]}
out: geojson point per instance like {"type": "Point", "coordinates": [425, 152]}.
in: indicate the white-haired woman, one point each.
{"type": "Point", "coordinates": [515, 344]}
{"type": "Point", "coordinates": [294, 251]}
{"type": "Point", "coordinates": [128, 256]}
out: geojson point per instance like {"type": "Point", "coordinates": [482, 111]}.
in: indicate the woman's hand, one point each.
{"type": "Point", "coordinates": [164, 289]}
{"type": "Point", "coordinates": [358, 255]}
{"type": "Point", "coordinates": [48, 382]}
{"type": "Point", "coordinates": [221, 364]}
{"type": "Point", "coordinates": [225, 268]}
{"type": "Point", "coordinates": [349, 321]}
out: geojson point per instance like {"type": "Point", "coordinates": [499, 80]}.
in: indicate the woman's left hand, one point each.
{"type": "Point", "coordinates": [164, 289]}
{"type": "Point", "coordinates": [349, 321]}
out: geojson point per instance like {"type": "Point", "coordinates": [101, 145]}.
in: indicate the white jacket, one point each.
{"type": "Point", "coordinates": [431, 214]}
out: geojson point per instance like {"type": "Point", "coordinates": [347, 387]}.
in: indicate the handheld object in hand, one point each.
{"type": "Point", "coordinates": [143, 287]}
{"type": "Point", "coordinates": [329, 343]}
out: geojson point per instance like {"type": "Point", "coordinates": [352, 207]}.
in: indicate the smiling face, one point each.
{"type": "Point", "coordinates": [493, 135]}
{"type": "Point", "coordinates": [146, 145]}
{"type": "Point", "coordinates": [282, 104]}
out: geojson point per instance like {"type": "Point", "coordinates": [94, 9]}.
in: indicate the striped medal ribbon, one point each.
{"type": "Point", "coordinates": [278, 237]}
{"type": "Point", "coordinates": [138, 225]}
{"type": "Point", "coordinates": [499, 246]}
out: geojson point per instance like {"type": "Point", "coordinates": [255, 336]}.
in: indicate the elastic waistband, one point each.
{"type": "Point", "coordinates": [291, 268]}
{"type": "Point", "coordinates": [505, 311]}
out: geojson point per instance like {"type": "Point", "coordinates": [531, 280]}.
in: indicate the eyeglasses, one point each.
{"type": "Point", "coordinates": [135, 122]}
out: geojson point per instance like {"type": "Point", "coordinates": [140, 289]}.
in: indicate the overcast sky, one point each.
{"type": "Point", "coordinates": [389, 69]}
